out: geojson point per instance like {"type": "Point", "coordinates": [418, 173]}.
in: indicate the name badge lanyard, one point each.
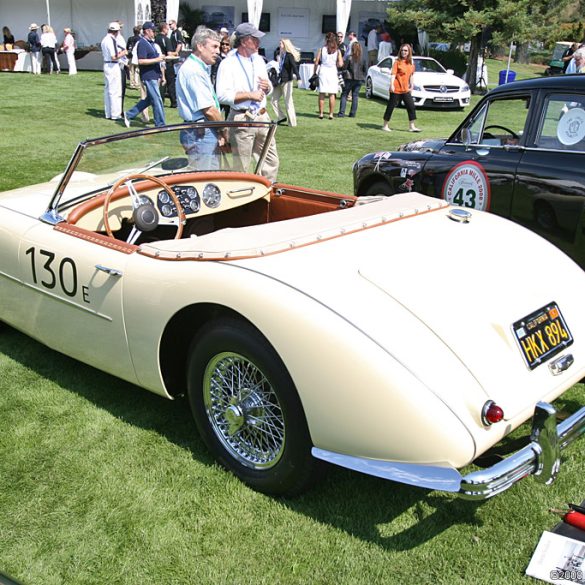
{"type": "Point", "coordinates": [250, 81]}
{"type": "Point", "coordinates": [204, 67]}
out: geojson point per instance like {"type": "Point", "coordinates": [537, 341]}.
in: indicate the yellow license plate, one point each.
{"type": "Point", "coordinates": [542, 334]}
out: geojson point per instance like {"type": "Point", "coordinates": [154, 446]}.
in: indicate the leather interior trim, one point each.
{"type": "Point", "coordinates": [94, 238]}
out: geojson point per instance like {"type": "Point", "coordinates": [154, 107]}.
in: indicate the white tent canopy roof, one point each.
{"type": "Point", "coordinates": [301, 20]}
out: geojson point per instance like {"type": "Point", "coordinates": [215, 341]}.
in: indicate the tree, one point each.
{"type": "Point", "coordinates": [158, 9]}
{"type": "Point", "coordinates": [190, 18]}
{"type": "Point", "coordinates": [459, 21]}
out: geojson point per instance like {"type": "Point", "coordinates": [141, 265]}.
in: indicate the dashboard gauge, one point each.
{"type": "Point", "coordinates": [166, 210]}
{"type": "Point", "coordinates": [191, 192]}
{"type": "Point", "coordinates": [164, 197]}
{"type": "Point", "coordinates": [211, 195]}
{"type": "Point", "coordinates": [194, 205]}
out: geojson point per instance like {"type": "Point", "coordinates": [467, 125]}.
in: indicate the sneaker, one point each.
{"type": "Point", "coordinates": [126, 121]}
{"type": "Point", "coordinates": [340, 115]}
{"type": "Point", "coordinates": [386, 129]}
{"type": "Point", "coordinates": [414, 129]}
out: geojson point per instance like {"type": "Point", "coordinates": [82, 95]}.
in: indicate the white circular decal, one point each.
{"type": "Point", "coordinates": [467, 185]}
{"type": "Point", "coordinates": [571, 127]}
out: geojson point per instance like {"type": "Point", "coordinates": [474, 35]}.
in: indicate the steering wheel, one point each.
{"type": "Point", "coordinates": [144, 213]}
{"type": "Point", "coordinates": [507, 130]}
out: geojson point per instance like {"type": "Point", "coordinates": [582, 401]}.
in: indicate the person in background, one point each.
{"type": "Point", "coordinates": [34, 42]}
{"type": "Point", "coordinates": [355, 64]}
{"type": "Point", "coordinates": [372, 45]}
{"type": "Point", "coordinates": [68, 47]}
{"type": "Point", "coordinates": [242, 83]}
{"type": "Point", "coordinates": [579, 60]}
{"type": "Point", "coordinates": [224, 48]}
{"type": "Point", "coordinates": [400, 88]}
{"type": "Point", "coordinates": [176, 37]}
{"type": "Point", "coordinates": [568, 55]}
{"type": "Point", "coordinates": [48, 46]}
{"type": "Point", "coordinates": [8, 37]}
{"type": "Point", "coordinates": [197, 101]}
{"type": "Point", "coordinates": [112, 72]}
{"type": "Point", "coordinates": [328, 60]}
{"type": "Point", "coordinates": [165, 43]}
{"type": "Point", "coordinates": [288, 59]}
{"type": "Point", "coordinates": [341, 45]}
{"type": "Point", "coordinates": [351, 39]}
{"type": "Point", "coordinates": [149, 60]}
{"type": "Point", "coordinates": [133, 67]}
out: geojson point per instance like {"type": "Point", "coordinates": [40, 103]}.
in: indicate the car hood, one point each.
{"type": "Point", "coordinates": [422, 78]}
{"type": "Point", "coordinates": [430, 145]}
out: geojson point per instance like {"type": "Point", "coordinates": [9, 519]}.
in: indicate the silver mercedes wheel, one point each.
{"type": "Point", "coordinates": [244, 411]}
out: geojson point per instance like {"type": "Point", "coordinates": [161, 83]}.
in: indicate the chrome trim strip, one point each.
{"type": "Point", "coordinates": [425, 476]}
{"type": "Point", "coordinates": [541, 458]}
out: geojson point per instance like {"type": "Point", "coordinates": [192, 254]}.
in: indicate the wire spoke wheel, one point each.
{"type": "Point", "coordinates": [247, 409]}
{"type": "Point", "coordinates": [244, 410]}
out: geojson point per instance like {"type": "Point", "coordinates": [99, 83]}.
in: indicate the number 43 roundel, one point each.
{"type": "Point", "coordinates": [467, 185]}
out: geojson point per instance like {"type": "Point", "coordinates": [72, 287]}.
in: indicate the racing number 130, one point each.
{"type": "Point", "coordinates": [65, 274]}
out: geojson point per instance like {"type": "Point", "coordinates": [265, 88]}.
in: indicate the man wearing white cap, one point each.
{"type": "Point", "coordinates": [242, 83]}
{"type": "Point", "coordinates": [34, 41]}
{"type": "Point", "coordinates": [112, 72]}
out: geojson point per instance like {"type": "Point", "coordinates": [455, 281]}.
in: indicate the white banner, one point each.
{"type": "Point", "coordinates": [343, 12]}
{"type": "Point", "coordinates": [293, 23]}
{"type": "Point", "coordinates": [254, 12]}
{"type": "Point", "coordinates": [172, 10]}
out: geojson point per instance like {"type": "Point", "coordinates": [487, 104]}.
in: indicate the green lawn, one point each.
{"type": "Point", "coordinates": [102, 482]}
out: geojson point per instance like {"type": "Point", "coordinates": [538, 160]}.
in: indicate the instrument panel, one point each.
{"type": "Point", "coordinates": [204, 198]}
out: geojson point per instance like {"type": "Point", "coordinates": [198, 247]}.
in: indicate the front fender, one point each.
{"type": "Point", "coordinates": [397, 172]}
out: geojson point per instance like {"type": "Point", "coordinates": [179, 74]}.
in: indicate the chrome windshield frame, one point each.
{"type": "Point", "coordinates": [51, 215]}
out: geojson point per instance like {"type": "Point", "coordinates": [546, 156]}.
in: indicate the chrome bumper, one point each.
{"type": "Point", "coordinates": [541, 458]}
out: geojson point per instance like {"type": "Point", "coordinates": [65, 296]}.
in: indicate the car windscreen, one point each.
{"type": "Point", "coordinates": [99, 163]}
{"type": "Point", "coordinates": [428, 66]}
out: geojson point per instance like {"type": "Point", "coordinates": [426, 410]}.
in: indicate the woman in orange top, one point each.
{"type": "Point", "coordinates": [400, 88]}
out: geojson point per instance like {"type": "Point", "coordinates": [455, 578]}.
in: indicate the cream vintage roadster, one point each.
{"type": "Point", "coordinates": [399, 337]}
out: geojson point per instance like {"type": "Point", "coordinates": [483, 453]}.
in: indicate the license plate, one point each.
{"type": "Point", "coordinates": [542, 334]}
{"type": "Point", "coordinates": [443, 99]}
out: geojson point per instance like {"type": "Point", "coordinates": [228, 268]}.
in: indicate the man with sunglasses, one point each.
{"type": "Point", "coordinates": [243, 84]}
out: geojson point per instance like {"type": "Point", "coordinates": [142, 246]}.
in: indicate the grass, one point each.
{"type": "Point", "coordinates": [105, 483]}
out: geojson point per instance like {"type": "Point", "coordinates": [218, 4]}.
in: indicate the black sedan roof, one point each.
{"type": "Point", "coordinates": [568, 82]}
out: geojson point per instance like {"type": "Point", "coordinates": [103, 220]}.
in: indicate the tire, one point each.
{"type": "Point", "coordinates": [369, 90]}
{"type": "Point", "coordinates": [378, 188]}
{"type": "Point", "coordinates": [247, 409]}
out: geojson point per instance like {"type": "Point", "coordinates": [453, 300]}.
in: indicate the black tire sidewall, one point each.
{"type": "Point", "coordinates": [291, 472]}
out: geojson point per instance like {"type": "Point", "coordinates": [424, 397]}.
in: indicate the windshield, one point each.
{"type": "Point", "coordinates": [99, 163]}
{"type": "Point", "coordinates": [428, 66]}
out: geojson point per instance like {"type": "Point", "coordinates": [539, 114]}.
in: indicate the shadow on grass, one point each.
{"type": "Point", "coordinates": [357, 504]}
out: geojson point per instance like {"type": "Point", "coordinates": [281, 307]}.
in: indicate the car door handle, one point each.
{"type": "Point", "coordinates": [110, 271]}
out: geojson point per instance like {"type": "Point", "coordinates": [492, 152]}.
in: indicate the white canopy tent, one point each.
{"type": "Point", "coordinates": [300, 20]}
{"type": "Point", "coordinates": [88, 19]}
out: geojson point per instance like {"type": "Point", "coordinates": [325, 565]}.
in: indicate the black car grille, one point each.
{"type": "Point", "coordinates": [442, 88]}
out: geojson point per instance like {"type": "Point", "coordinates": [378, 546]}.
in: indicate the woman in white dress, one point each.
{"type": "Point", "coordinates": [328, 60]}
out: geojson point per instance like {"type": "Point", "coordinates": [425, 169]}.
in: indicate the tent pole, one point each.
{"type": "Point", "coordinates": [48, 13]}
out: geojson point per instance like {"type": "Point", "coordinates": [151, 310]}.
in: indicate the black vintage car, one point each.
{"type": "Point", "coordinates": [520, 153]}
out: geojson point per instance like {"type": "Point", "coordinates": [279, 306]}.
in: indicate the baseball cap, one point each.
{"type": "Point", "coordinates": [114, 26]}
{"type": "Point", "coordinates": [247, 29]}
{"type": "Point", "coordinates": [148, 25]}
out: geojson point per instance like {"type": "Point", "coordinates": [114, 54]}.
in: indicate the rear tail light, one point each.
{"type": "Point", "coordinates": [491, 413]}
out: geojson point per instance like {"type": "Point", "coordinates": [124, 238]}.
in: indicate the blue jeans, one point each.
{"type": "Point", "coordinates": [201, 148]}
{"type": "Point", "coordinates": [152, 99]}
{"type": "Point", "coordinates": [353, 86]}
